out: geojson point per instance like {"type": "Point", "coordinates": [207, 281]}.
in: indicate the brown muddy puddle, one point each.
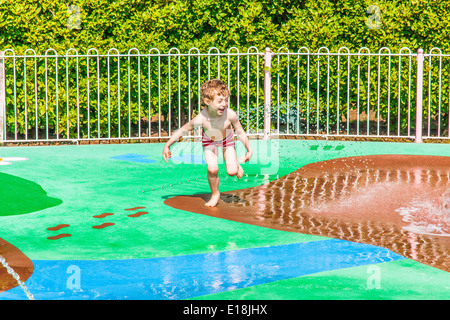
{"type": "Point", "coordinates": [393, 201]}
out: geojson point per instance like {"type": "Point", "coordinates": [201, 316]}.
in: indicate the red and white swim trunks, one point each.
{"type": "Point", "coordinates": [228, 141]}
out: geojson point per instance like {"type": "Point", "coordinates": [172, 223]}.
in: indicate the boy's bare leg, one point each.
{"type": "Point", "coordinates": [211, 157]}
{"type": "Point", "coordinates": [233, 166]}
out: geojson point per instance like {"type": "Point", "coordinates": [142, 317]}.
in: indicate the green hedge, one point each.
{"type": "Point", "coordinates": [124, 24]}
{"type": "Point", "coordinates": [143, 24]}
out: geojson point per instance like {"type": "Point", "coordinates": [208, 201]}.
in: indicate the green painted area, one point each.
{"type": "Point", "coordinates": [397, 280]}
{"type": "Point", "coordinates": [89, 183]}
{"type": "Point", "coordinates": [21, 196]}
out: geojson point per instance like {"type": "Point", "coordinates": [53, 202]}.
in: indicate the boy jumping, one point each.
{"type": "Point", "coordinates": [217, 122]}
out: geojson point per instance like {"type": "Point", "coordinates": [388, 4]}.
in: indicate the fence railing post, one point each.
{"type": "Point", "coordinates": [2, 98]}
{"type": "Point", "coordinates": [267, 92]}
{"type": "Point", "coordinates": [419, 98]}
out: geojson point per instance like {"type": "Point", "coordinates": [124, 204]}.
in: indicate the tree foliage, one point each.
{"type": "Point", "coordinates": [144, 24]}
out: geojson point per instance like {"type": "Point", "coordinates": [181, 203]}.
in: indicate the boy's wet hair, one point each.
{"type": "Point", "coordinates": [212, 87]}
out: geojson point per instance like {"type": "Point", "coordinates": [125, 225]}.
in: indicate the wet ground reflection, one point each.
{"type": "Point", "coordinates": [392, 201]}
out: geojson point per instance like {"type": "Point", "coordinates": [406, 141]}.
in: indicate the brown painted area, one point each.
{"type": "Point", "coordinates": [19, 262]}
{"type": "Point", "coordinates": [104, 225]}
{"type": "Point", "coordinates": [137, 214]}
{"type": "Point", "coordinates": [135, 208]}
{"type": "Point", "coordinates": [355, 199]}
{"type": "Point", "coordinates": [58, 227]}
{"type": "Point", "coordinates": [59, 236]}
{"type": "Point", "coordinates": [103, 215]}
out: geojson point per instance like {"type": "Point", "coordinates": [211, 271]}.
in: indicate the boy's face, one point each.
{"type": "Point", "coordinates": [219, 104]}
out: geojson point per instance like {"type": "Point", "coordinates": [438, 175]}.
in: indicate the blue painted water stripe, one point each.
{"type": "Point", "coordinates": [133, 157]}
{"type": "Point", "coordinates": [181, 277]}
{"type": "Point", "coordinates": [189, 158]}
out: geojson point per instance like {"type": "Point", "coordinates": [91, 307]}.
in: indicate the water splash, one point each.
{"type": "Point", "coordinates": [428, 216]}
{"type": "Point", "coordinates": [446, 203]}
{"type": "Point", "coordinates": [13, 273]}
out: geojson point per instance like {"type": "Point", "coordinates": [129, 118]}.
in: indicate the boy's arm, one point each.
{"type": "Point", "coordinates": [242, 136]}
{"type": "Point", "coordinates": [195, 122]}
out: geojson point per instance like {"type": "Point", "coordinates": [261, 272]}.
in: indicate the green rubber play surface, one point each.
{"type": "Point", "coordinates": [105, 204]}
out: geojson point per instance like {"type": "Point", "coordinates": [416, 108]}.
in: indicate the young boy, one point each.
{"type": "Point", "coordinates": [217, 122]}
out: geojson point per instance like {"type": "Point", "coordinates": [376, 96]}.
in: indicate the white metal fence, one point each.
{"type": "Point", "coordinates": [134, 95]}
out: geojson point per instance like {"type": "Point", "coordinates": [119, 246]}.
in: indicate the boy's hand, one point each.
{"type": "Point", "coordinates": [245, 157]}
{"type": "Point", "coordinates": [166, 154]}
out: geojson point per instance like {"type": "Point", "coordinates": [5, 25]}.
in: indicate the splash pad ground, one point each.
{"type": "Point", "coordinates": [107, 222]}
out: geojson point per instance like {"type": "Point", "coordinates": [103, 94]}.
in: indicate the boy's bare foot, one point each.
{"type": "Point", "coordinates": [213, 201]}
{"type": "Point", "coordinates": [240, 172]}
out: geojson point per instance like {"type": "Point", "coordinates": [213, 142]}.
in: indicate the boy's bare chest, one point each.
{"type": "Point", "coordinates": [216, 124]}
